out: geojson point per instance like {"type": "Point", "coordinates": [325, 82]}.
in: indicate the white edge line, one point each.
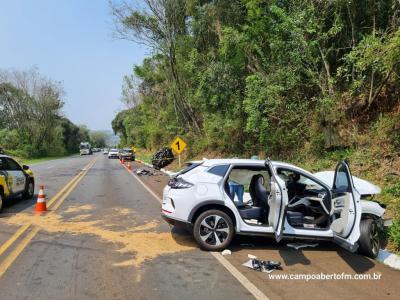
{"type": "Point", "coordinates": [239, 276]}
{"type": "Point", "coordinates": [222, 260]}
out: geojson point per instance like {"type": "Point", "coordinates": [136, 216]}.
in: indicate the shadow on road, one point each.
{"type": "Point", "coordinates": [290, 256]}
{"type": "Point", "coordinates": [12, 206]}
{"type": "Point", "coordinates": [359, 263]}
{"type": "Point", "coordinates": [182, 237]}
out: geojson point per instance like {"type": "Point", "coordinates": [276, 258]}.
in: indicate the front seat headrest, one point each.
{"type": "Point", "coordinates": [257, 190]}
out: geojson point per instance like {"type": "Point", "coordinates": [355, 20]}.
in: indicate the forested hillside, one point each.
{"type": "Point", "coordinates": [307, 81]}
{"type": "Point", "coordinates": [246, 76]}
{"type": "Point", "coordinates": [31, 120]}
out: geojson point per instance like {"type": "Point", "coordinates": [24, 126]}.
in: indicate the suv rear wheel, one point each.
{"type": "Point", "coordinates": [213, 230]}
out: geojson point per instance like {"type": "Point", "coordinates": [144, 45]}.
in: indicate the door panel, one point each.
{"type": "Point", "coordinates": [16, 177]}
{"type": "Point", "coordinates": [277, 203]}
{"type": "Point", "coordinates": [346, 208]}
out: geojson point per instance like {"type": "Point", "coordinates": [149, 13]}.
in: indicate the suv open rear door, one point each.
{"type": "Point", "coordinates": [346, 209]}
{"type": "Point", "coordinates": [277, 202]}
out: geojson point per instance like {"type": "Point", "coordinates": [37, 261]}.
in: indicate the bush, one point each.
{"type": "Point", "coordinates": [394, 190]}
{"type": "Point", "coordinates": [394, 233]}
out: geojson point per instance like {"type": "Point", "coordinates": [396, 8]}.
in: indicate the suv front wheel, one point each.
{"type": "Point", "coordinates": [213, 230]}
{"type": "Point", "coordinates": [369, 241]}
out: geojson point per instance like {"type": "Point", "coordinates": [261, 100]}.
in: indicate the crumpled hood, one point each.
{"type": "Point", "coordinates": [363, 187]}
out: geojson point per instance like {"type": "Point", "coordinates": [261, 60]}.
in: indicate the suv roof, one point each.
{"type": "Point", "coordinates": [241, 161]}
{"type": "Point", "coordinates": [213, 162]}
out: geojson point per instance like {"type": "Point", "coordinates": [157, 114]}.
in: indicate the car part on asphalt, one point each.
{"type": "Point", "coordinates": [226, 252]}
{"type": "Point", "coordinates": [162, 158]}
{"type": "Point", "coordinates": [141, 172]}
{"type": "Point", "coordinates": [265, 266]}
{"type": "Point", "coordinates": [298, 246]}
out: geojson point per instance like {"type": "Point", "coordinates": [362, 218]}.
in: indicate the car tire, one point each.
{"type": "Point", "coordinates": [29, 190]}
{"type": "Point", "coordinates": [369, 241]}
{"type": "Point", "coordinates": [1, 200]}
{"type": "Point", "coordinates": [213, 230]}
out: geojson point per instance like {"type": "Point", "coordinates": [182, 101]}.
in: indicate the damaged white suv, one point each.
{"type": "Point", "coordinates": [219, 198]}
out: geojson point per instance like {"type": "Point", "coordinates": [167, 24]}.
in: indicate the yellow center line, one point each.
{"type": "Point", "coordinates": [62, 199]}
{"type": "Point", "coordinates": [17, 251]}
{"type": "Point", "coordinates": [12, 239]}
{"type": "Point", "coordinates": [23, 228]}
{"type": "Point", "coordinates": [52, 200]}
{"type": "Point", "coordinates": [24, 243]}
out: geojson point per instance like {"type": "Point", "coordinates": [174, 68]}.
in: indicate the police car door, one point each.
{"type": "Point", "coordinates": [15, 176]}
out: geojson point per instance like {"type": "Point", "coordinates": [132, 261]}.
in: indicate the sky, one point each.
{"type": "Point", "coordinates": [70, 41]}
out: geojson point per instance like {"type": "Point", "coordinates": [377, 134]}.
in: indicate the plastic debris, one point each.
{"type": "Point", "coordinates": [298, 246]}
{"type": "Point", "coordinates": [265, 266]}
{"type": "Point", "coordinates": [162, 158]}
{"type": "Point", "coordinates": [226, 252]}
{"type": "Point", "coordinates": [141, 172]}
{"type": "Point", "coordinates": [247, 245]}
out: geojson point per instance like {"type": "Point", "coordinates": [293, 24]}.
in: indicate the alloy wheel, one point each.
{"type": "Point", "coordinates": [374, 238]}
{"type": "Point", "coordinates": [214, 230]}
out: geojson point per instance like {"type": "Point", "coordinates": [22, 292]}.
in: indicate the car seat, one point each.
{"type": "Point", "coordinates": [259, 196]}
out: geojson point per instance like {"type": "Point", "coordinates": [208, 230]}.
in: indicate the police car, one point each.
{"type": "Point", "coordinates": [15, 180]}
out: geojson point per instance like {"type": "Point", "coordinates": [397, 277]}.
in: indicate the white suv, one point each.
{"type": "Point", "coordinates": [218, 198]}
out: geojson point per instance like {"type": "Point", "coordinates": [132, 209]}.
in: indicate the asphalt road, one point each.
{"type": "Point", "coordinates": [103, 238]}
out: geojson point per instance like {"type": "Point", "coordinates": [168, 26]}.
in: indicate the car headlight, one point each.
{"type": "Point", "coordinates": [179, 183]}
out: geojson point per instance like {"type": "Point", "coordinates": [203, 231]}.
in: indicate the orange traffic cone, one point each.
{"type": "Point", "coordinates": [123, 161]}
{"type": "Point", "coordinates": [129, 166]}
{"type": "Point", "coordinates": [41, 201]}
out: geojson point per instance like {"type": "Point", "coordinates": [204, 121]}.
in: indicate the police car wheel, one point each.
{"type": "Point", "coordinates": [1, 201]}
{"type": "Point", "coordinates": [29, 190]}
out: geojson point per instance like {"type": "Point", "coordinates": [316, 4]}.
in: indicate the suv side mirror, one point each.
{"type": "Point", "coordinates": [25, 167]}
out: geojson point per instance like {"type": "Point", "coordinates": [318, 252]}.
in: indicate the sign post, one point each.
{"type": "Point", "coordinates": [178, 145]}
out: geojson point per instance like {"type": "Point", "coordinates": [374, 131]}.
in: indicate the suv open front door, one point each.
{"type": "Point", "coordinates": [346, 209]}
{"type": "Point", "coordinates": [277, 202]}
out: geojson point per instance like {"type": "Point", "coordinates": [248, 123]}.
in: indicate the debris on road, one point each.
{"type": "Point", "coordinates": [141, 172]}
{"type": "Point", "coordinates": [298, 246]}
{"type": "Point", "coordinates": [162, 158]}
{"type": "Point", "coordinates": [247, 245]}
{"type": "Point", "coordinates": [265, 266]}
{"type": "Point", "coordinates": [226, 252]}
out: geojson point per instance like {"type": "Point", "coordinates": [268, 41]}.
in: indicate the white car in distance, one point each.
{"type": "Point", "coordinates": [113, 153]}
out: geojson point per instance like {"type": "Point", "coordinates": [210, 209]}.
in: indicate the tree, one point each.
{"type": "Point", "coordinates": [161, 25]}
{"type": "Point", "coordinates": [98, 139]}
{"type": "Point", "coordinates": [31, 120]}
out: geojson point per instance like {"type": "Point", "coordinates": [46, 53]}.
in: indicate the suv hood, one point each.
{"type": "Point", "coordinates": [363, 187]}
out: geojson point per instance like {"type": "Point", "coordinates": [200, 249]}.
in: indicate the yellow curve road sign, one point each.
{"type": "Point", "coordinates": [178, 145]}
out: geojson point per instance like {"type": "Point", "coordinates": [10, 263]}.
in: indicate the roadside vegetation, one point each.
{"type": "Point", "coordinates": [32, 125]}
{"type": "Point", "coordinates": [306, 81]}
